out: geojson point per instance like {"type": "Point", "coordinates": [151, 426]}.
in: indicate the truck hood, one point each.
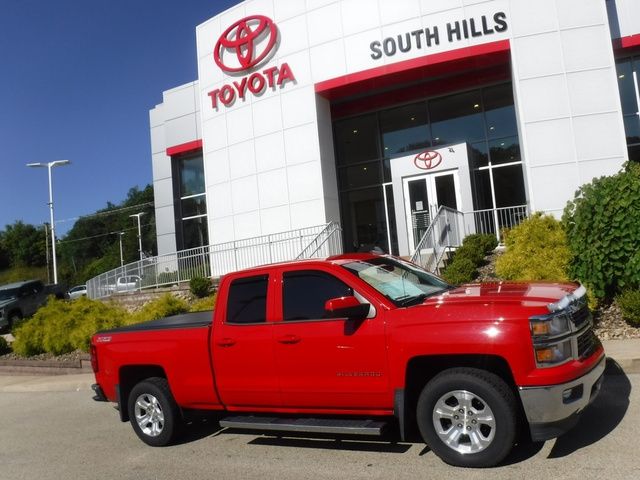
{"type": "Point", "coordinates": [530, 294]}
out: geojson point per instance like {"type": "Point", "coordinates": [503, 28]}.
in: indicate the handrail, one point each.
{"type": "Point", "coordinates": [303, 254]}
{"type": "Point", "coordinates": [445, 230]}
{"type": "Point", "coordinates": [333, 240]}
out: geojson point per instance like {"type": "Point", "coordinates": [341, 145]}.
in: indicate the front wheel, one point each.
{"type": "Point", "coordinates": [153, 412]}
{"type": "Point", "coordinates": [468, 417]}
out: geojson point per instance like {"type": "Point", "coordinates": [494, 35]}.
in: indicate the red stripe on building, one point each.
{"type": "Point", "coordinates": [184, 148]}
{"type": "Point", "coordinates": [410, 70]}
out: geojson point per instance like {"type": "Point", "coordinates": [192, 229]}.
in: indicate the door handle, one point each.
{"type": "Point", "coordinates": [226, 342]}
{"type": "Point", "coordinates": [289, 339]}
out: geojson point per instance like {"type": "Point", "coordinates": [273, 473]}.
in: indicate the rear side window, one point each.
{"type": "Point", "coordinates": [305, 293]}
{"type": "Point", "coordinates": [248, 300]}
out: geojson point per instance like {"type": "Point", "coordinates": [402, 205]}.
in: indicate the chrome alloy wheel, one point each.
{"type": "Point", "coordinates": [149, 415]}
{"type": "Point", "coordinates": [464, 421]}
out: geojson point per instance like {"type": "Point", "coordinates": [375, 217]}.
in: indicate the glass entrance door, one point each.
{"type": "Point", "coordinates": [423, 196]}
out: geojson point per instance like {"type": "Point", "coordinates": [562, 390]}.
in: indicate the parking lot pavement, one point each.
{"type": "Point", "coordinates": [65, 435]}
{"type": "Point", "coordinates": [46, 383]}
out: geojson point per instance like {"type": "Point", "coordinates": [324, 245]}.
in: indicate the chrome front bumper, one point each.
{"type": "Point", "coordinates": [554, 409]}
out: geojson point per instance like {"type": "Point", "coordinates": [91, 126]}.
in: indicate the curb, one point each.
{"type": "Point", "coordinates": [44, 367]}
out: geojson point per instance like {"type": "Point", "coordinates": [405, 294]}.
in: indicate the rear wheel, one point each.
{"type": "Point", "coordinates": [467, 417]}
{"type": "Point", "coordinates": [153, 412]}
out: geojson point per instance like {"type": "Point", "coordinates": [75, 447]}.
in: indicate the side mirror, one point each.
{"type": "Point", "coordinates": [346, 307]}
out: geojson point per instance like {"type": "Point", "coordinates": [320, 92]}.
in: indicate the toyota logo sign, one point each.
{"type": "Point", "coordinates": [427, 160]}
{"type": "Point", "coordinates": [246, 43]}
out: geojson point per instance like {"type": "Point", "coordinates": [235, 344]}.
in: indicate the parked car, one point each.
{"type": "Point", "coordinates": [127, 283]}
{"type": "Point", "coordinates": [22, 299]}
{"type": "Point", "coordinates": [77, 292]}
{"type": "Point", "coordinates": [354, 343]}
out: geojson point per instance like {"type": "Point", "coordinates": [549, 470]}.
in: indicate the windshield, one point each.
{"type": "Point", "coordinates": [8, 294]}
{"type": "Point", "coordinates": [401, 282]}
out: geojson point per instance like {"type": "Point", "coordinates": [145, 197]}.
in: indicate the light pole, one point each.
{"type": "Point", "coordinates": [49, 166]}
{"type": "Point", "coordinates": [138, 215]}
{"type": "Point", "coordinates": [120, 234]}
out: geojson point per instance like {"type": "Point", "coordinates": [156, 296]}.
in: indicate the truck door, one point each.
{"type": "Point", "coordinates": [327, 362]}
{"type": "Point", "coordinates": [242, 346]}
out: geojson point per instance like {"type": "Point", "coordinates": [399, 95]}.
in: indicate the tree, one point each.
{"type": "Point", "coordinates": [92, 245]}
{"type": "Point", "coordinates": [23, 245]}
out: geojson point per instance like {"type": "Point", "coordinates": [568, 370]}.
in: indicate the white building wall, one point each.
{"type": "Point", "coordinates": [568, 105]}
{"type": "Point", "coordinates": [173, 122]}
{"type": "Point", "coordinates": [269, 159]}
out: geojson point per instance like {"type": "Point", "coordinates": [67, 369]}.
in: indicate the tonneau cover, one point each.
{"type": "Point", "coordinates": [183, 320]}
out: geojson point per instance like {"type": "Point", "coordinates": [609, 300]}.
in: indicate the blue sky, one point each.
{"type": "Point", "coordinates": [77, 80]}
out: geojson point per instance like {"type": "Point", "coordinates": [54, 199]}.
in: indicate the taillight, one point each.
{"type": "Point", "coordinates": [94, 358]}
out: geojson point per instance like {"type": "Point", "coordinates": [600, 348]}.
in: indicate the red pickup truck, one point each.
{"type": "Point", "coordinates": [358, 342]}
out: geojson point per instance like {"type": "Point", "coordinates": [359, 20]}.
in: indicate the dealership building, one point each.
{"type": "Point", "coordinates": [373, 114]}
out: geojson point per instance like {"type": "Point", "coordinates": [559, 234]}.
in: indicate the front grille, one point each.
{"type": "Point", "coordinates": [581, 316]}
{"type": "Point", "coordinates": [587, 344]}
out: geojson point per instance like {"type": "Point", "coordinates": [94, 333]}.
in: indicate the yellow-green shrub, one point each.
{"type": "Point", "coordinates": [164, 306]}
{"type": "Point", "coordinates": [536, 249]}
{"type": "Point", "coordinates": [203, 304]}
{"type": "Point", "coordinates": [629, 303]}
{"type": "Point", "coordinates": [61, 326]}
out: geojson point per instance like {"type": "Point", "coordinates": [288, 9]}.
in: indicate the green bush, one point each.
{"type": "Point", "coordinates": [535, 250]}
{"type": "Point", "coordinates": [61, 326]}
{"type": "Point", "coordinates": [629, 303]}
{"type": "Point", "coordinates": [4, 346]}
{"type": "Point", "coordinates": [603, 230]}
{"type": "Point", "coordinates": [485, 243]}
{"type": "Point", "coordinates": [200, 286]}
{"type": "Point", "coordinates": [468, 258]}
{"type": "Point", "coordinates": [460, 270]}
{"type": "Point", "coordinates": [165, 306]}
{"type": "Point", "coordinates": [203, 304]}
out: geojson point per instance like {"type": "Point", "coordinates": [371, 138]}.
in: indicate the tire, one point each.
{"type": "Point", "coordinates": [468, 417]}
{"type": "Point", "coordinates": [153, 412]}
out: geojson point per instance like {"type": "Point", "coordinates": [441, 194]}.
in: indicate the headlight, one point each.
{"type": "Point", "coordinates": [553, 354]}
{"type": "Point", "coordinates": [549, 326]}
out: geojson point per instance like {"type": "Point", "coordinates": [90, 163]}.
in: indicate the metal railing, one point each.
{"type": "Point", "coordinates": [446, 230]}
{"type": "Point", "coordinates": [216, 260]}
{"type": "Point", "coordinates": [495, 220]}
{"type": "Point", "coordinates": [327, 243]}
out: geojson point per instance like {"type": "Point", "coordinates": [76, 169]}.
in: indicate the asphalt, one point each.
{"type": "Point", "coordinates": [625, 352]}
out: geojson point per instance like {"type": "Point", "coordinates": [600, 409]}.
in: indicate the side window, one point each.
{"type": "Point", "coordinates": [305, 293]}
{"type": "Point", "coordinates": [247, 301]}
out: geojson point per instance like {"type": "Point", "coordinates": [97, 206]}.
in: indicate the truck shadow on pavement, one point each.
{"type": "Point", "coordinates": [601, 417]}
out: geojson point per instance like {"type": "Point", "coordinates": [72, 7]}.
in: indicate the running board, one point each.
{"type": "Point", "coordinates": [308, 425]}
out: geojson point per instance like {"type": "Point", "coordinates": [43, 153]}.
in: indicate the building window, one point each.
{"type": "Point", "coordinates": [628, 71]}
{"type": "Point", "coordinates": [366, 145]}
{"type": "Point", "coordinates": [190, 206]}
